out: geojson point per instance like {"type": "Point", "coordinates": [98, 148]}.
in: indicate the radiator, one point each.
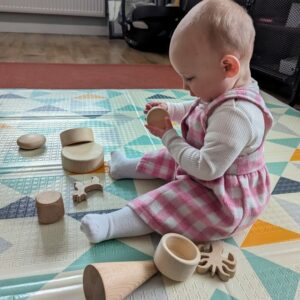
{"type": "Point", "coordinates": [91, 8]}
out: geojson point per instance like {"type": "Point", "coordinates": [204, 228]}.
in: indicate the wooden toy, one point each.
{"type": "Point", "coordinates": [50, 207]}
{"type": "Point", "coordinates": [213, 260]}
{"type": "Point", "coordinates": [176, 256]}
{"type": "Point", "coordinates": [156, 117]}
{"type": "Point", "coordinates": [115, 280]}
{"type": "Point", "coordinates": [82, 189]}
{"type": "Point", "coordinates": [31, 141]}
{"type": "Point", "coordinates": [79, 153]}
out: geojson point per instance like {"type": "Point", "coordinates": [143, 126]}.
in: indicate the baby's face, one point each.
{"type": "Point", "coordinates": [199, 67]}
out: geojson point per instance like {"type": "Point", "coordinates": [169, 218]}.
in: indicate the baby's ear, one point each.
{"type": "Point", "coordinates": [231, 65]}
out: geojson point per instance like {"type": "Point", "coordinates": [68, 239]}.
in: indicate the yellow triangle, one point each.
{"type": "Point", "coordinates": [265, 233]}
{"type": "Point", "coordinates": [296, 155]}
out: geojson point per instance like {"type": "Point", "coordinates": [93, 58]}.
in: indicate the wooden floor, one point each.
{"type": "Point", "coordinates": [42, 48]}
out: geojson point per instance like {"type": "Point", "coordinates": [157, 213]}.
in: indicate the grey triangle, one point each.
{"type": "Point", "coordinates": [291, 208]}
{"type": "Point", "coordinates": [4, 245]}
{"type": "Point", "coordinates": [283, 129]}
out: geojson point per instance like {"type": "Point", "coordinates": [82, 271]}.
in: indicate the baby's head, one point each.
{"type": "Point", "coordinates": [211, 48]}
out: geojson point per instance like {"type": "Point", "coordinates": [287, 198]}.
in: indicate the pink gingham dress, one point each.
{"type": "Point", "coordinates": [206, 210]}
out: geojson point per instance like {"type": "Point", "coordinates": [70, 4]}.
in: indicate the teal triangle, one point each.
{"type": "Point", "coordinates": [276, 168]}
{"type": "Point", "coordinates": [130, 107]}
{"type": "Point", "coordinates": [143, 140]}
{"type": "Point", "coordinates": [271, 105]}
{"type": "Point", "coordinates": [112, 93]}
{"type": "Point", "coordinates": [179, 94]}
{"type": "Point", "coordinates": [231, 241]}
{"type": "Point", "coordinates": [159, 96]}
{"type": "Point", "coordinates": [124, 189]}
{"type": "Point", "coordinates": [290, 142]}
{"type": "Point", "coordinates": [37, 93]}
{"type": "Point", "coordinates": [104, 103]}
{"type": "Point", "coordinates": [280, 282]}
{"type": "Point", "coordinates": [108, 251]}
{"type": "Point", "coordinates": [23, 287]}
{"type": "Point", "coordinates": [219, 295]}
{"type": "Point", "coordinates": [131, 153]}
{"type": "Point", "coordinates": [293, 112]}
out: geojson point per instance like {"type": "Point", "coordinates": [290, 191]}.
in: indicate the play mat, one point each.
{"type": "Point", "coordinates": [47, 261]}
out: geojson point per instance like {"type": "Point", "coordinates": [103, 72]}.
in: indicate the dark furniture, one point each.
{"type": "Point", "coordinates": [277, 45]}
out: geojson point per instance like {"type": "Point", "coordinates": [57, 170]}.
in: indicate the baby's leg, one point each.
{"type": "Point", "coordinates": [121, 223]}
{"type": "Point", "coordinates": [123, 167]}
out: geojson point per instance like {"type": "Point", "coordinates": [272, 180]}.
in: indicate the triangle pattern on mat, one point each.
{"type": "Point", "coordinates": [290, 142]}
{"type": "Point", "coordinates": [159, 96]}
{"type": "Point", "coordinates": [276, 168]}
{"type": "Point", "coordinates": [262, 233]}
{"type": "Point", "coordinates": [108, 251]}
{"type": "Point", "coordinates": [271, 105]}
{"type": "Point", "coordinates": [281, 128]}
{"type": "Point", "coordinates": [11, 96]}
{"type": "Point", "coordinates": [280, 282]}
{"type": "Point", "coordinates": [142, 140]}
{"type": "Point", "coordinates": [122, 188]}
{"type": "Point", "coordinates": [47, 108]}
{"type": "Point", "coordinates": [285, 185]}
{"type": "Point", "coordinates": [22, 208]}
{"type": "Point", "coordinates": [220, 295]}
{"type": "Point", "coordinates": [23, 287]}
{"type": "Point", "coordinates": [132, 153]}
{"type": "Point", "coordinates": [130, 107]}
{"type": "Point", "coordinates": [291, 208]}
{"type": "Point", "coordinates": [296, 155]}
{"type": "Point", "coordinates": [4, 245]}
{"type": "Point", "coordinates": [113, 93]}
{"type": "Point", "coordinates": [292, 112]}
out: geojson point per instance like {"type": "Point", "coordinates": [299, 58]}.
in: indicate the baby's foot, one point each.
{"type": "Point", "coordinates": [118, 165]}
{"type": "Point", "coordinates": [95, 227]}
{"type": "Point", "coordinates": [122, 167]}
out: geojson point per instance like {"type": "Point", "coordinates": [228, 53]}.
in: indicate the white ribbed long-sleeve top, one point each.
{"type": "Point", "coordinates": [235, 128]}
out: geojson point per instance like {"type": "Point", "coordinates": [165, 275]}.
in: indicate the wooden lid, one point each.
{"type": "Point", "coordinates": [76, 135]}
{"type": "Point", "coordinates": [31, 141]}
{"type": "Point", "coordinates": [156, 117]}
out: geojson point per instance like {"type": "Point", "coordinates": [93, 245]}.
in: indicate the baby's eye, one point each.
{"type": "Point", "coordinates": [189, 79]}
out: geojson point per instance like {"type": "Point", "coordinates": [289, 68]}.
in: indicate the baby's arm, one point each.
{"type": "Point", "coordinates": [228, 133]}
{"type": "Point", "coordinates": [178, 110]}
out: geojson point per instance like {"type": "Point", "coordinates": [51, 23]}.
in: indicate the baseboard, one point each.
{"type": "Point", "coordinates": [54, 28]}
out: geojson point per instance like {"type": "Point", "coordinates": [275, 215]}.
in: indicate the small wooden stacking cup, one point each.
{"type": "Point", "coordinates": [176, 256]}
{"type": "Point", "coordinates": [50, 207]}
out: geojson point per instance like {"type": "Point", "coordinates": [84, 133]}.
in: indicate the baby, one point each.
{"type": "Point", "coordinates": [217, 181]}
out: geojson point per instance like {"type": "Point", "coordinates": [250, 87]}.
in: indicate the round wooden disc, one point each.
{"type": "Point", "coordinates": [31, 141]}
{"type": "Point", "coordinates": [82, 158]}
{"type": "Point", "coordinates": [48, 197]}
{"type": "Point", "coordinates": [156, 117]}
{"type": "Point", "coordinates": [76, 135]}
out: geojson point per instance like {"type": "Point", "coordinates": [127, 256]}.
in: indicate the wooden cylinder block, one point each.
{"type": "Point", "coordinates": [50, 207]}
{"type": "Point", "coordinates": [156, 117]}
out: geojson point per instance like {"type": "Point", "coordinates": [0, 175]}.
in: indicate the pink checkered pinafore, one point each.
{"type": "Point", "coordinates": [206, 210]}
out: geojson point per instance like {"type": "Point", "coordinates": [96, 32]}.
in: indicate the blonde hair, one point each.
{"type": "Point", "coordinates": [226, 25]}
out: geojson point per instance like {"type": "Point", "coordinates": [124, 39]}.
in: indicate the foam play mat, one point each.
{"type": "Point", "coordinates": [47, 261]}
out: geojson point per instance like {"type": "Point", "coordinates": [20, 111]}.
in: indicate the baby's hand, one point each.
{"type": "Point", "coordinates": [162, 105]}
{"type": "Point", "coordinates": [159, 132]}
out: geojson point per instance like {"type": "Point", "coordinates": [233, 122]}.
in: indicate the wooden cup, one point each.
{"type": "Point", "coordinates": [176, 256]}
